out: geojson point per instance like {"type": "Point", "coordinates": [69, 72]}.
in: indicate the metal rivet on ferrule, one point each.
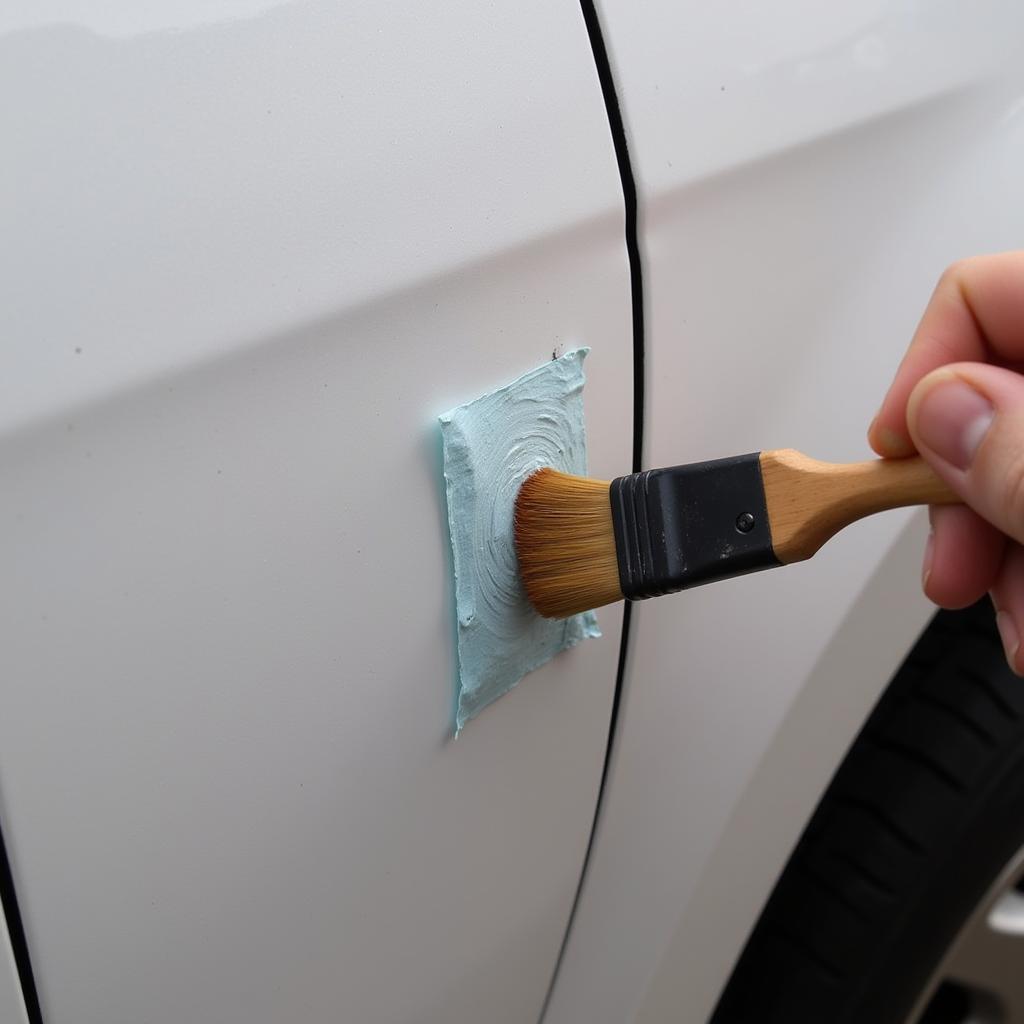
{"type": "Point", "coordinates": [744, 522]}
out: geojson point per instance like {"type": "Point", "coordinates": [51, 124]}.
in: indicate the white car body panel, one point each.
{"type": "Point", "coordinates": [251, 250]}
{"type": "Point", "coordinates": [805, 171]}
{"type": "Point", "coordinates": [12, 1005]}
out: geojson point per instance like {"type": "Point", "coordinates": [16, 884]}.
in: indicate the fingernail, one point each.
{"type": "Point", "coordinates": [929, 554]}
{"type": "Point", "coordinates": [893, 444]}
{"type": "Point", "coordinates": [952, 418]}
{"type": "Point", "coordinates": [1010, 637]}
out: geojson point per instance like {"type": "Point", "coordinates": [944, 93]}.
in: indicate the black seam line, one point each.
{"type": "Point", "coordinates": [16, 933]}
{"type": "Point", "coordinates": [636, 290]}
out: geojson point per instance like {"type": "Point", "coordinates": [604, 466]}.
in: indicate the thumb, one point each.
{"type": "Point", "coordinates": [967, 420]}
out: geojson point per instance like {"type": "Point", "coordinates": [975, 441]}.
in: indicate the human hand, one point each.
{"type": "Point", "coordinates": [958, 399]}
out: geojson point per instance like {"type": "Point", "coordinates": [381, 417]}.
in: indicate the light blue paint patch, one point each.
{"type": "Point", "coordinates": [491, 445]}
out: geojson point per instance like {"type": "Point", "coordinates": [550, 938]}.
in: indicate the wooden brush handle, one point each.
{"type": "Point", "coordinates": [809, 501]}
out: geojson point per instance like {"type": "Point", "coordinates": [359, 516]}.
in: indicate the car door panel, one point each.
{"type": "Point", "coordinates": [253, 252]}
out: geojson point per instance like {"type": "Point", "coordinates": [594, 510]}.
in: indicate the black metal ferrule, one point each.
{"type": "Point", "coordinates": [680, 527]}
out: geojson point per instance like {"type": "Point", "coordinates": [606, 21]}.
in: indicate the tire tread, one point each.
{"type": "Point", "coordinates": [941, 736]}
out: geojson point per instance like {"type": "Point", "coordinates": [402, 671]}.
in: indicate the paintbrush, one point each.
{"type": "Point", "coordinates": [584, 543]}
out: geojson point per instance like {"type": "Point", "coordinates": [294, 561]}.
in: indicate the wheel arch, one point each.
{"type": "Point", "coordinates": [789, 780]}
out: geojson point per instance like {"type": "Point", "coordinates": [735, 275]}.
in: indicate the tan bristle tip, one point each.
{"type": "Point", "coordinates": [566, 543]}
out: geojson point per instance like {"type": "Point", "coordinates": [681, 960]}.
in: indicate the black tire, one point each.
{"type": "Point", "coordinates": [924, 812]}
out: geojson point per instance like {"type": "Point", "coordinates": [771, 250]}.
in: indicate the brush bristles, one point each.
{"type": "Point", "coordinates": [566, 543]}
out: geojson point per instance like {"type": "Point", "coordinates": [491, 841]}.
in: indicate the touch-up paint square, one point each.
{"type": "Point", "coordinates": [491, 445]}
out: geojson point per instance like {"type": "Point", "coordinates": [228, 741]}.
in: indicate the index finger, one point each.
{"type": "Point", "coordinates": [975, 314]}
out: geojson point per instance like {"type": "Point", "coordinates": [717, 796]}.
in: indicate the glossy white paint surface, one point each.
{"type": "Point", "coordinates": [251, 250]}
{"type": "Point", "coordinates": [175, 186]}
{"type": "Point", "coordinates": [806, 171]}
{"type": "Point", "coordinates": [12, 1005]}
